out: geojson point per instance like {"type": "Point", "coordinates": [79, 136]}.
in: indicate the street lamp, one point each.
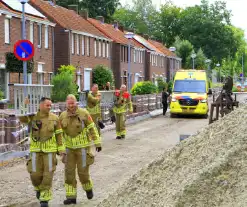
{"type": "Point", "coordinates": [129, 36]}
{"type": "Point", "coordinates": [23, 2]}
{"type": "Point", "coordinates": [193, 56]}
{"type": "Point", "coordinates": [172, 49]}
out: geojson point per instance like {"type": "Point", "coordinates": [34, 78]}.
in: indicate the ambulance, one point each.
{"type": "Point", "coordinates": [190, 93]}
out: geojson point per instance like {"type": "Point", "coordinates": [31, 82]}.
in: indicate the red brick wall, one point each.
{"type": "Point", "coordinates": [159, 69]}
{"type": "Point", "coordinates": [41, 55]}
{"type": "Point", "coordinates": [84, 61]}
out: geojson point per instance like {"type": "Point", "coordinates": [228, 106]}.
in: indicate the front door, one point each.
{"type": "Point", "coordinates": [87, 78]}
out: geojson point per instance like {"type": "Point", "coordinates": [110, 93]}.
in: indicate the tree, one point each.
{"type": "Point", "coordinates": [200, 60]}
{"type": "Point", "coordinates": [105, 8]}
{"type": "Point", "coordinates": [183, 50]}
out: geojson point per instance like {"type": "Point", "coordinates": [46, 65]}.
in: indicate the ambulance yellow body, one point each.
{"type": "Point", "coordinates": [190, 93]}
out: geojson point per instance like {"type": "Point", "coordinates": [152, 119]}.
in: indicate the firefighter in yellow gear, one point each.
{"type": "Point", "coordinates": [122, 104]}
{"type": "Point", "coordinates": [79, 134]}
{"type": "Point", "coordinates": [45, 142]}
{"type": "Point", "coordinates": [93, 105]}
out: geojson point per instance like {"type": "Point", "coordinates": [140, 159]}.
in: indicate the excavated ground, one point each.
{"type": "Point", "coordinates": [206, 170]}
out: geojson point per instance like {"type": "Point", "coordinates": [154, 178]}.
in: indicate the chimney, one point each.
{"type": "Point", "coordinates": [101, 19]}
{"type": "Point", "coordinates": [146, 36]}
{"type": "Point", "coordinates": [121, 28]}
{"type": "Point", "coordinates": [115, 24]}
{"type": "Point", "coordinates": [73, 7]}
{"type": "Point", "coordinates": [84, 13]}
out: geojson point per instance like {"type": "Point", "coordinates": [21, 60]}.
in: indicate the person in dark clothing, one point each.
{"type": "Point", "coordinates": [165, 96]}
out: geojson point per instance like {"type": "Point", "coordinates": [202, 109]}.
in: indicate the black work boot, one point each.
{"type": "Point", "coordinates": [69, 201]}
{"type": "Point", "coordinates": [89, 194]}
{"type": "Point", "coordinates": [38, 194]}
{"type": "Point", "coordinates": [118, 137]}
{"type": "Point", "coordinates": [123, 136]}
{"type": "Point", "coordinates": [43, 204]}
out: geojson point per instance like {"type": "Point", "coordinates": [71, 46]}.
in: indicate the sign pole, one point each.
{"type": "Point", "coordinates": [23, 54]}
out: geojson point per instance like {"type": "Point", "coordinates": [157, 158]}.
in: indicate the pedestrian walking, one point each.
{"type": "Point", "coordinates": [93, 107]}
{"type": "Point", "coordinates": [165, 96]}
{"type": "Point", "coordinates": [45, 142]}
{"type": "Point", "coordinates": [122, 105]}
{"type": "Point", "coordinates": [79, 130]}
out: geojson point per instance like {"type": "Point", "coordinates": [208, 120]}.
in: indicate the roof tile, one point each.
{"type": "Point", "coordinates": [66, 18]}
{"type": "Point", "coordinates": [162, 48]}
{"type": "Point", "coordinates": [115, 34]}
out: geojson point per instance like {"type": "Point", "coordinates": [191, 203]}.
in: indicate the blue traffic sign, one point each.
{"type": "Point", "coordinates": [24, 50]}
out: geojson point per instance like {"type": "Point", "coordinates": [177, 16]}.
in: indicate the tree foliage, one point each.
{"type": "Point", "coordinates": [206, 28]}
{"type": "Point", "coordinates": [63, 84]}
{"type": "Point", "coordinates": [102, 75]}
{"type": "Point", "coordinates": [105, 8]}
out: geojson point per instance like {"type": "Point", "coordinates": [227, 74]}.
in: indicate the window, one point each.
{"type": "Point", "coordinates": [134, 55]}
{"type": "Point", "coordinates": [190, 86]}
{"type": "Point", "coordinates": [7, 30]}
{"type": "Point", "coordinates": [141, 56]}
{"type": "Point", "coordinates": [99, 48]}
{"type": "Point", "coordinates": [31, 32]}
{"type": "Point", "coordinates": [95, 47]}
{"type": "Point", "coordinates": [82, 45]}
{"type": "Point", "coordinates": [103, 49]}
{"type": "Point", "coordinates": [88, 46]}
{"type": "Point", "coordinates": [50, 78]}
{"type": "Point", "coordinates": [107, 50]}
{"type": "Point", "coordinates": [29, 78]}
{"type": "Point", "coordinates": [77, 45]}
{"type": "Point", "coordinates": [39, 35]}
{"type": "Point", "coordinates": [73, 43]}
{"type": "Point", "coordinates": [46, 36]}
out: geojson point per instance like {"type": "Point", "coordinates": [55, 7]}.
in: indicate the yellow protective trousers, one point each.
{"type": "Point", "coordinates": [41, 167]}
{"type": "Point", "coordinates": [96, 118]}
{"type": "Point", "coordinates": [81, 159]}
{"type": "Point", "coordinates": [120, 124]}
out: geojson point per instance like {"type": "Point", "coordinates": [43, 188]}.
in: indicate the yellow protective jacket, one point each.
{"type": "Point", "coordinates": [79, 129]}
{"type": "Point", "coordinates": [46, 132]}
{"type": "Point", "coordinates": [122, 102]}
{"type": "Point", "coordinates": [93, 104]}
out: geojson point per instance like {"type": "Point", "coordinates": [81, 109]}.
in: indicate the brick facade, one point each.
{"type": "Point", "coordinates": [42, 55]}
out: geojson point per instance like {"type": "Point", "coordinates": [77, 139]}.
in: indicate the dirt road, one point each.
{"type": "Point", "coordinates": [115, 164]}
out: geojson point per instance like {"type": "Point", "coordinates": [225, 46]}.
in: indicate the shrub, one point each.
{"type": "Point", "coordinates": [1, 95]}
{"type": "Point", "coordinates": [161, 84]}
{"type": "Point", "coordinates": [144, 87]}
{"type": "Point", "coordinates": [102, 75]}
{"type": "Point", "coordinates": [63, 86]}
{"type": "Point", "coordinates": [234, 89]}
{"type": "Point", "coordinates": [170, 85]}
{"type": "Point", "coordinates": [67, 68]}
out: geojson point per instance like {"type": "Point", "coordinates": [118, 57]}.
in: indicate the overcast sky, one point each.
{"type": "Point", "coordinates": [238, 7]}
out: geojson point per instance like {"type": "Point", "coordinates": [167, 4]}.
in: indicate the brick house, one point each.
{"type": "Point", "coordinates": [173, 62]}
{"type": "Point", "coordinates": [76, 41]}
{"type": "Point", "coordinates": [120, 53]}
{"type": "Point", "coordinates": [39, 31]}
{"type": "Point", "coordinates": [156, 60]}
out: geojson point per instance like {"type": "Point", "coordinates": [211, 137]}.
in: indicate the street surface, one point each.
{"type": "Point", "coordinates": [119, 160]}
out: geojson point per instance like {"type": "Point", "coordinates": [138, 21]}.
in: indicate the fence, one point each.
{"type": "Point", "coordinates": [34, 94]}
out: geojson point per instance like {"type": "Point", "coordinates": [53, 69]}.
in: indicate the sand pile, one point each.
{"type": "Point", "coordinates": [206, 170]}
